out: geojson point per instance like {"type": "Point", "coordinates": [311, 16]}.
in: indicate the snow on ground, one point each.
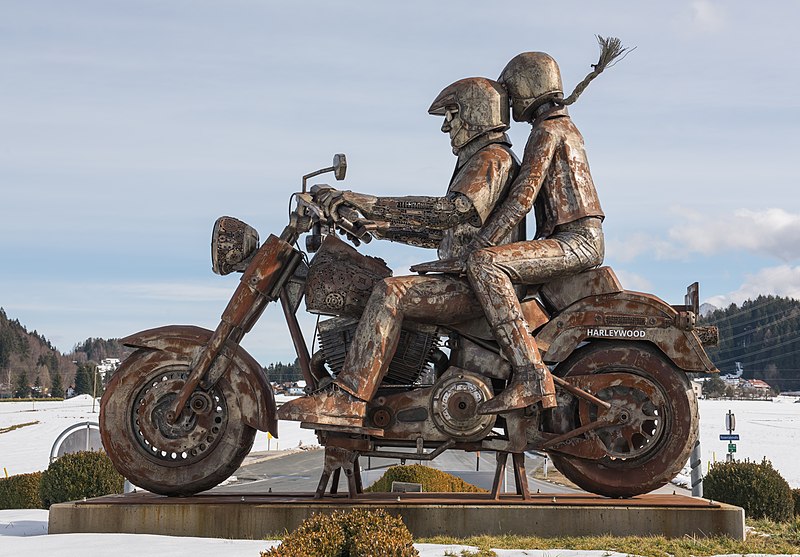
{"type": "Point", "coordinates": [768, 429]}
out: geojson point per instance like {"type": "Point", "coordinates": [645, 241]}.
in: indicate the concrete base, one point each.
{"type": "Point", "coordinates": [426, 514]}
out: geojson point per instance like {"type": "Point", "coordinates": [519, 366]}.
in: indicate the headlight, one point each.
{"type": "Point", "coordinates": [233, 244]}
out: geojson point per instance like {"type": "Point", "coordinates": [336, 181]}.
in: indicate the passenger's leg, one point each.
{"type": "Point", "coordinates": [491, 280]}
{"type": "Point", "coordinates": [492, 273]}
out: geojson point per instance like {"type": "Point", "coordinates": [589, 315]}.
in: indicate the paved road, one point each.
{"type": "Point", "coordinates": [300, 471]}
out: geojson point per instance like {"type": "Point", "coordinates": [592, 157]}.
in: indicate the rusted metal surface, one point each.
{"type": "Point", "coordinates": [651, 427]}
{"type": "Point", "coordinates": [547, 351]}
{"type": "Point", "coordinates": [185, 342]}
{"type": "Point", "coordinates": [336, 460]}
{"type": "Point", "coordinates": [568, 290]}
{"type": "Point", "coordinates": [409, 499]}
{"type": "Point", "coordinates": [340, 280]}
{"type": "Point", "coordinates": [180, 456]}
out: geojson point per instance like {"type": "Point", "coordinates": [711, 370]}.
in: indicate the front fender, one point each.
{"type": "Point", "coordinates": [624, 316]}
{"type": "Point", "coordinates": [246, 376]}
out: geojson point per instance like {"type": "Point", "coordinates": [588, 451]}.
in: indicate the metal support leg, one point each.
{"type": "Point", "coordinates": [499, 472]}
{"type": "Point", "coordinates": [335, 481]}
{"type": "Point", "coordinates": [520, 476]}
{"type": "Point", "coordinates": [336, 460]}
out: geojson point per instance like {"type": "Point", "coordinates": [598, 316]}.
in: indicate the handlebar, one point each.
{"type": "Point", "coordinates": [347, 220]}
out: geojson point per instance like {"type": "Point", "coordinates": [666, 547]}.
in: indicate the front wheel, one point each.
{"type": "Point", "coordinates": [203, 447]}
{"type": "Point", "coordinates": [650, 446]}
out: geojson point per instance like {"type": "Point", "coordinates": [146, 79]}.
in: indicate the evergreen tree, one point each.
{"type": "Point", "coordinates": [56, 386]}
{"type": "Point", "coordinates": [22, 389]}
{"type": "Point", "coordinates": [714, 387]}
{"type": "Point", "coordinates": [83, 380]}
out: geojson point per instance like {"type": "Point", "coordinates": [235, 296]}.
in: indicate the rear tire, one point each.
{"type": "Point", "coordinates": [636, 462]}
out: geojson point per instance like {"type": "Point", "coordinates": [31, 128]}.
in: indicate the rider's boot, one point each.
{"type": "Point", "coordinates": [529, 385]}
{"type": "Point", "coordinates": [330, 406]}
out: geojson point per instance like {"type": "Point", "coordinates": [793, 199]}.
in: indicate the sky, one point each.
{"type": "Point", "coordinates": [127, 127]}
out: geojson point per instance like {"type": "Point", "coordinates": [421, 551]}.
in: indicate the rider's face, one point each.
{"type": "Point", "coordinates": [454, 126]}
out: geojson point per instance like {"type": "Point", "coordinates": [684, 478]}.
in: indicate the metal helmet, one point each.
{"type": "Point", "coordinates": [482, 107]}
{"type": "Point", "coordinates": [531, 79]}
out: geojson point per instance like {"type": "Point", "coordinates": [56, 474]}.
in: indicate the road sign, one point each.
{"type": "Point", "coordinates": [730, 421]}
{"type": "Point", "coordinates": [731, 448]}
{"type": "Point", "coordinates": [728, 436]}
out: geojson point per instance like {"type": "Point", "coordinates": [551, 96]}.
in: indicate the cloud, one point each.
{"type": "Point", "coordinates": [772, 231]}
{"type": "Point", "coordinates": [783, 280]}
{"type": "Point", "coordinates": [707, 16]}
{"type": "Point", "coordinates": [632, 281]}
{"type": "Point", "coordinates": [633, 245]}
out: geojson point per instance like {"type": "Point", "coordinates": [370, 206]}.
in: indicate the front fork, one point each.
{"type": "Point", "coordinates": [262, 282]}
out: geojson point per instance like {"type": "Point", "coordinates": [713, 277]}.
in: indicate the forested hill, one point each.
{"type": "Point", "coordinates": [764, 336]}
{"type": "Point", "coordinates": [28, 357]}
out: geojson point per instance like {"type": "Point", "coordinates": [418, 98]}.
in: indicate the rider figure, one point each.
{"type": "Point", "coordinates": [476, 115]}
{"type": "Point", "coordinates": [555, 181]}
{"type": "Point", "coordinates": [555, 176]}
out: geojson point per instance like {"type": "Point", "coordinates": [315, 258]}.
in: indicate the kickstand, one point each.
{"type": "Point", "coordinates": [520, 476]}
{"type": "Point", "coordinates": [336, 460]}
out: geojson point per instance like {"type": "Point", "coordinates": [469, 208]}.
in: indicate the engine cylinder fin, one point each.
{"type": "Point", "coordinates": [413, 356]}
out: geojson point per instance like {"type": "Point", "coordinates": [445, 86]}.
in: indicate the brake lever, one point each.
{"type": "Point", "coordinates": [350, 221]}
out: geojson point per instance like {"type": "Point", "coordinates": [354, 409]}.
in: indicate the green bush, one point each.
{"type": "Point", "coordinates": [359, 533]}
{"type": "Point", "coordinates": [21, 491]}
{"type": "Point", "coordinates": [432, 480]}
{"type": "Point", "coordinates": [796, 497]}
{"type": "Point", "coordinates": [758, 488]}
{"type": "Point", "coordinates": [79, 475]}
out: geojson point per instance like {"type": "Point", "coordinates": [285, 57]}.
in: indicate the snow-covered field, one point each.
{"type": "Point", "coordinates": [766, 429]}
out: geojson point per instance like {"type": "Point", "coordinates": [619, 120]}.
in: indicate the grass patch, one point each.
{"type": "Point", "coordinates": [767, 537]}
{"type": "Point", "coordinates": [17, 426]}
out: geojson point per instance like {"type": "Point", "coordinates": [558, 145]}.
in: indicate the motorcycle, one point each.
{"type": "Point", "coordinates": [181, 413]}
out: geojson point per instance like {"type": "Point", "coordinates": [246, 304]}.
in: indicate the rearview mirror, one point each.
{"type": "Point", "coordinates": [339, 166]}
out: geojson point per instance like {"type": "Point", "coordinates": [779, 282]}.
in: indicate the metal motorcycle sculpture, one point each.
{"type": "Point", "coordinates": [181, 413]}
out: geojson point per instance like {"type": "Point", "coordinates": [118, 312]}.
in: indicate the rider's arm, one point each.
{"type": "Point", "coordinates": [419, 238]}
{"type": "Point", "coordinates": [421, 212]}
{"type": "Point", "coordinates": [470, 199]}
{"type": "Point", "coordinates": [535, 163]}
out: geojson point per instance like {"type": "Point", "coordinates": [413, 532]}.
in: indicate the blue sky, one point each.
{"type": "Point", "coordinates": [127, 127]}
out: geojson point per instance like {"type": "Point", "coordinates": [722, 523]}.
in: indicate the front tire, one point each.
{"type": "Point", "coordinates": [653, 447]}
{"type": "Point", "coordinates": [201, 449]}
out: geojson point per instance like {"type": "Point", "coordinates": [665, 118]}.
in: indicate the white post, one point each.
{"type": "Point", "coordinates": [695, 462]}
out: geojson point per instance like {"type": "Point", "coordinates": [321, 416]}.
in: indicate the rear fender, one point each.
{"type": "Point", "coordinates": [245, 375]}
{"type": "Point", "coordinates": [620, 317]}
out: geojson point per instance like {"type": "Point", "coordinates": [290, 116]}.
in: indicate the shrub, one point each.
{"type": "Point", "coordinates": [322, 535]}
{"type": "Point", "coordinates": [359, 533]}
{"type": "Point", "coordinates": [78, 475]}
{"type": "Point", "coordinates": [432, 480]}
{"type": "Point", "coordinates": [758, 488]}
{"type": "Point", "coordinates": [21, 491]}
{"type": "Point", "coordinates": [796, 497]}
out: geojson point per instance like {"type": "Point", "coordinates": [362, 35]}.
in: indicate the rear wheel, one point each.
{"type": "Point", "coordinates": [658, 424]}
{"type": "Point", "coordinates": [203, 447]}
